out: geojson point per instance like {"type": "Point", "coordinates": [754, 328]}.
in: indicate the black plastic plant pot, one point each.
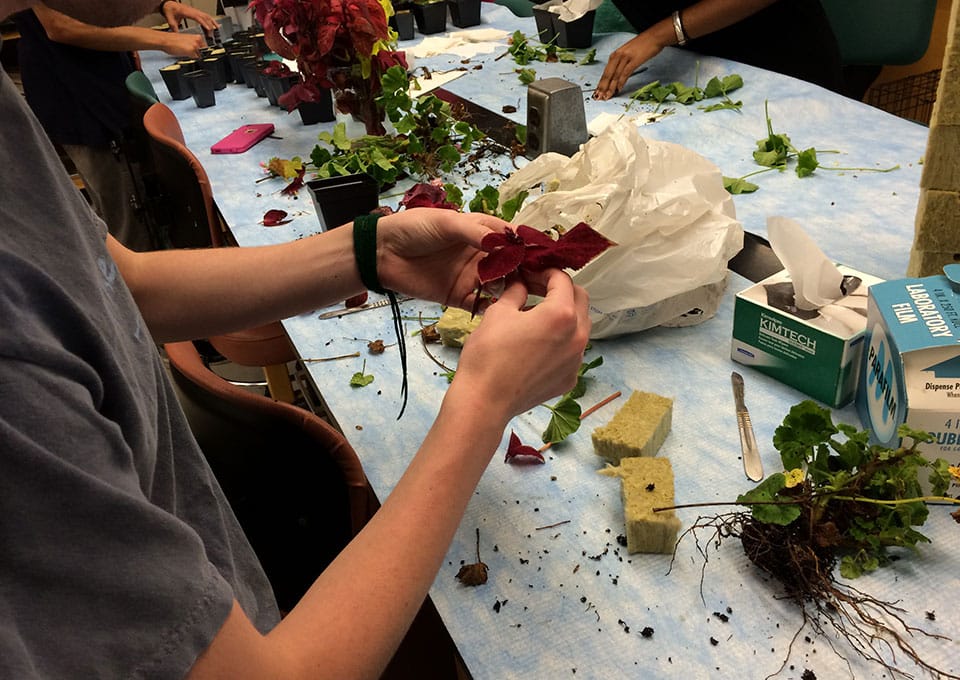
{"type": "Point", "coordinates": [402, 23]}
{"type": "Point", "coordinates": [259, 79]}
{"type": "Point", "coordinates": [173, 78]}
{"type": "Point", "coordinates": [218, 67]}
{"type": "Point", "coordinates": [577, 33]}
{"type": "Point", "coordinates": [201, 87]}
{"type": "Point", "coordinates": [277, 86]}
{"type": "Point", "coordinates": [546, 30]}
{"type": "Point", "coordinates": [338, 200]}
{"type": "Point", "coordinates": [464, 13]}
{"type": "Point", "coordinates": [235, 59]}
{"type": "Point", "coordinates": [431, 16]}
{"type": "Point", "coordinates": [248, 67]}
{"type": "Point", "coordinates": [321, 111]}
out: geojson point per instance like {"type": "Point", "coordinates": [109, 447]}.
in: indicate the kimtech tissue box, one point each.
{"type": "Point", "coordinates": [816, 351]}
{"type": "Point", "coordinates": [911, 369]}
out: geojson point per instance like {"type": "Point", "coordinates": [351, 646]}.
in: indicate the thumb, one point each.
{"type": "Point", "coordinates": [514, 295]}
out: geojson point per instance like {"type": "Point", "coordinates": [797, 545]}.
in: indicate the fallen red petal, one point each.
{"type": "Point", "coordinates": [274, 218]}
{"type": "Point", "coordinates": [521, 454]}
{"type": "Point", "coordinates": [295, 185]}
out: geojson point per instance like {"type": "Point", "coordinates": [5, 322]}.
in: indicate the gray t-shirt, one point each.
{"type": "Point", "coordinates": [119, 556]}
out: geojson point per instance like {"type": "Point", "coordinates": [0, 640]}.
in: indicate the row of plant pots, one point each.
{"type": "Point", "coordinates": [430, 16]}
{"type": "Point", "coordinates": [555, 31]}
{"type": "Point", "coordinates": [268, 77]}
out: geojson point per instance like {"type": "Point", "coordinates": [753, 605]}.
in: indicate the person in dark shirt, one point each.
{"type": "Point", "coordinates": [792, 37]}
{"type": "Point", "coordinates": [74, 79]}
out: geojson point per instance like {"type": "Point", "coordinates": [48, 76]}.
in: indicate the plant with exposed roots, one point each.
{"type": "Point", "coordinates": [839, 505]}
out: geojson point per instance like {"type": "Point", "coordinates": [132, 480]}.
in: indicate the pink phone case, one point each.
{"type": "Point", "coordinates": [243, 138]}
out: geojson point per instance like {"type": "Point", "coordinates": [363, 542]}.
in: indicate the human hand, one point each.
{"type": "Point", "coordinates": [432, 253]}
{"type": "Point", "coordinates": [623, 62]}
{"type": "Point", "coordinates": [520, 357]}
{"type": "Point", "coordinates": [175, 12]}
{"type": "Point", "coordinates": [183, 44]}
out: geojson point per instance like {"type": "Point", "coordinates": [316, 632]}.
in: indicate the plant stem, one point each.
{"type": "Point", "coordinates": [900, 501]}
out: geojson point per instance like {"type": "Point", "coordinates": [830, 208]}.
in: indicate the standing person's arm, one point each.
{"type": "Point", "coordinates": [64, 29]}
{"type": "Point", "coordinates": [698, 20]}
{"type": "Point", "coordinates": [174, 12]}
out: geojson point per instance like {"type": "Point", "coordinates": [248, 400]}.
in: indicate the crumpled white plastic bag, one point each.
{"type": "Point", "coordinates": [665, 207]}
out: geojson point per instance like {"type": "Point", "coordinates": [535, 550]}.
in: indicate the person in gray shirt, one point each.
{"type": "Point", "coordinates": [119, 556]}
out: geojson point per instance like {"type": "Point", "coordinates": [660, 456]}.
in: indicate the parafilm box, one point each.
{"type": "Point", "coordinates": [911, 371]}
{"type": "Point", "coordinates": [818, 352]}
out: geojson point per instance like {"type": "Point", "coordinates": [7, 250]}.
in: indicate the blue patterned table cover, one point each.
{"type": "Point", "coordinates": [568, 601]}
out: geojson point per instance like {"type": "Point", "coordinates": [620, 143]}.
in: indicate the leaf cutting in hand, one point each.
{"type": "Point", "coordinates": [520, 453]}
{"type": "Point", "coordinates": [274, 218]}
{"type": "Point", "coordinates": [532, 250]}
{"type": "Point", "coordinates": [528, 249]}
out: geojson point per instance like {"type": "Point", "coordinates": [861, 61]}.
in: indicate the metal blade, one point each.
{"type": "Point", "coordinates": [495, 125]}
{"type": "Point", "coordinates": [752, 465]}
{"type": "Point", "coordinates": [333, 314]}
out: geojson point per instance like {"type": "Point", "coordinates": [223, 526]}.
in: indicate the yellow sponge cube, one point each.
{"type": "Point", "coordinates": [647, 483]}
{"type": "Point", "coordinates": [637, 429]}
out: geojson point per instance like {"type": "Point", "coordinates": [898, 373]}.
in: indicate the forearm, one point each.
{"type": "Point", "coordinates": [63, 29]}
{"type": "Point", "coordinates": [708, 16]}
{"type": "Point", "coordinates": [185, 294]}
{"type": "Point", "coordinates": [409, 537]}
{"type": "Point", "coordinates": [354, 616]}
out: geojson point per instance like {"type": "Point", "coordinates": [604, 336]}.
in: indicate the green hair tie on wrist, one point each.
{"type": "Point", "coordinates": [365, 251]}
{"type": "Point", "coordinates": [365, 254]}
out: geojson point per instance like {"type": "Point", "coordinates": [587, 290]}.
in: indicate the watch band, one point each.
{"type": "Point", "coordinates": [678, 29]}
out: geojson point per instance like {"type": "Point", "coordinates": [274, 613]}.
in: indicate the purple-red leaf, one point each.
{"type": "Point", "coordinates": [274, 218]}
{"type": "Point", "coordinates": [572, 250]}
{"type": "Point", "coordinates": [424, 195]}
{"type": "Point", "coordinates": [518, 453]}
{"type": "Point", "coordinates": [532, 250]}
{"type": "Point", "coordinates": [295, 185]}
{"type": "Point", "coordinates": [505, 254]}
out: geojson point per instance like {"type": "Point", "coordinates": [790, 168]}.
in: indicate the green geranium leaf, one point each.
{"type": "Point", "coordinates": [361, 378]}
{"type": "Point", "coordinates": [807, 162]}
{"type": "Point", "coordinates": [738, 185]}
{"type": "Point", "coordinates": [564, 420]}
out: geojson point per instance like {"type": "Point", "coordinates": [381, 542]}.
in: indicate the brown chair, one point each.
{"type": "Point", "coordinates": [293, 481]}
{"type": "Point", "coordinates": [193, 221]}
{"type": "Point", "coordinates": [299, 493]}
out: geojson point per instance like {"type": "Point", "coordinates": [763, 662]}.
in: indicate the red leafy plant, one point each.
{"type": "Point", "coordinates": [528, 249]}
{"type": "Point", "coordinates": [338, 44]}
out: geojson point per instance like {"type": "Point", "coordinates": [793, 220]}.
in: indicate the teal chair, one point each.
{"type": "Point", "coordinates": [140, 87]}
{"type": "Point", "coordinates": [521, 8]}
{"type": "Point", "coordinates": [610, 20]}
{"type": "Point", "coordinates": [881, 32]}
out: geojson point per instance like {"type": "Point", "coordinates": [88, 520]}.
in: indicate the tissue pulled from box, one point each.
{"type": "Point", "coordinates": [666, 207]}
{"type": "Point", "coordinates": [571, 10]}
{"type": "Point", "coordinates": [817, 290]}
